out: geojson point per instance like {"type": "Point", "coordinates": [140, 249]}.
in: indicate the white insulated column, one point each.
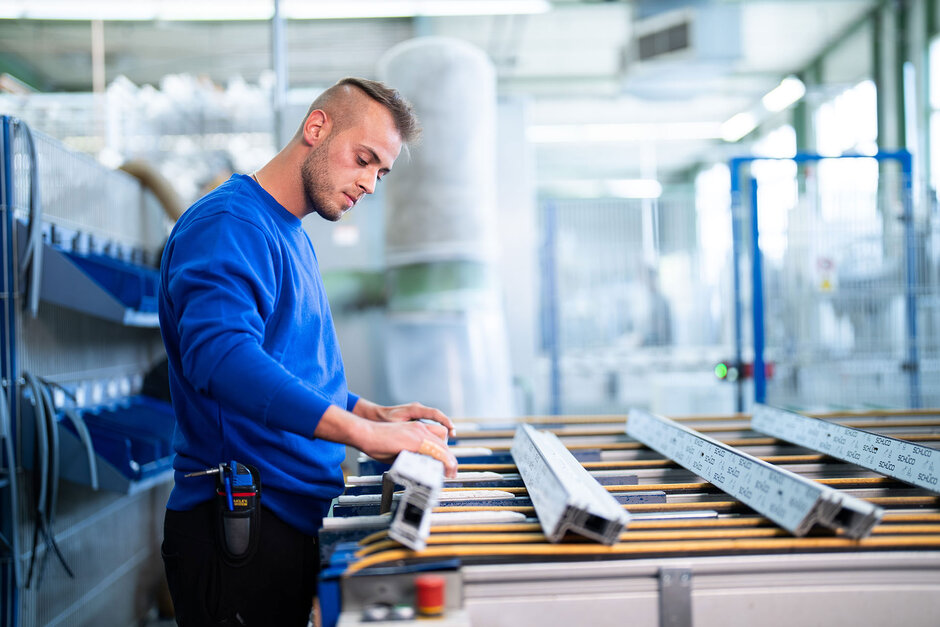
{"type": "Point", "coordinates": [441, 201]}
{"type": "Point", "coordinates": [446, 334]}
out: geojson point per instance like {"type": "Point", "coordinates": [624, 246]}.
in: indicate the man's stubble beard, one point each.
{"type": "Point", "coordinates": [315, 175]}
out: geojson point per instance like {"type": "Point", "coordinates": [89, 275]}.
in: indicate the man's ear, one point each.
{"type": "Point", "coordinates": [316, 127]}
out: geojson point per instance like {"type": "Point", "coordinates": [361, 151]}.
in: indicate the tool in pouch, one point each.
{"type": "Point", "coordinates": [238, 494]}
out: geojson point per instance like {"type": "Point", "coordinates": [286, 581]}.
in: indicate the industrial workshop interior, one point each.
{"type": "Point", "coordinates": [668, 268]}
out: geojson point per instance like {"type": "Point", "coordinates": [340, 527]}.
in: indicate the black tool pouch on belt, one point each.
{"type": "Point", "coordinates": [239, 528]}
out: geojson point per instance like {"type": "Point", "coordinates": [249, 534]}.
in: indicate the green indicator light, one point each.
{"type": "Point", "coordinates": [721, 371]}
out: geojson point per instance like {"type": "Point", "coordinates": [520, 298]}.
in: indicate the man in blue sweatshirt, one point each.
{"type": "Point", "coordinates": [256, 374]}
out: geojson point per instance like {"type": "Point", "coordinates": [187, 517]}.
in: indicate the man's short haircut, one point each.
{"type": "Point", "coordinates": [406, 121]}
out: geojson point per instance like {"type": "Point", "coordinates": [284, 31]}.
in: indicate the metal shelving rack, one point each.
{"type": "Point", "coordinates": [93, 361]}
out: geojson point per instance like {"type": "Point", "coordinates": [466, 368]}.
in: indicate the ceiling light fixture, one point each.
{"type": "Point", "coordinates": [628, 132]}
{"type": "Point", "coordinates": [65, 10]}
{"type": "Point", "coordinates": [352, 9]}
{"type": "Point", "coordinates": [789, 91]}
{"type": "Point", "coordinates": [138, 11]}
{"type": "Point", "coordinates": [603, 188]}
{"type": "Point", "coordinates": [738, 126]}
{"type": "Point", "coordinates": [226, 10]}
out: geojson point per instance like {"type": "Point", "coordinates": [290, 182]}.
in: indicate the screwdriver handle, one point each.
{"type": "Point", "coordinates": [208, 471]}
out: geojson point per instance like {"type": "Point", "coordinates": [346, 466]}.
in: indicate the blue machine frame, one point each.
{"type": "Point", "coordinates": [903, 158]}
{"type": "Point", "coordinates": [8, 579]}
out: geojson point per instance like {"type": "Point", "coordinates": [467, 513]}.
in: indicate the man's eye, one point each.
{"type": "Point", "coordinates": [361, 161]}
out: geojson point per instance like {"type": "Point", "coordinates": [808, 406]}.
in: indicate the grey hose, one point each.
{"type": "Point", "coordinates": [6, 434]}
{"type": "Point", "coordinates": [47, 439]}
{"type": "Point", "coordinates": [82, 430]}
{"type": "Point", "coordinates": [40, 470]}
{"type": "Point", "coordinates": [31, 259]}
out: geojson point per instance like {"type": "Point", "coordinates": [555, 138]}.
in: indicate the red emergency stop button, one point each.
{"type": "Point", "coordinates": [429, 595]}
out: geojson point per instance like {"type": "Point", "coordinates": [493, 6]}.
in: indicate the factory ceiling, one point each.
{"type": "Point", "coordinates": [668, 73]}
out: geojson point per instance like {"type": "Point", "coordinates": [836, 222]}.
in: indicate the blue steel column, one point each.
{"type": "Point", "coordinates": [550, 304]}
{"type": "Point", "coordinates": [736, 245]}
{"type": "Point", "coordinates": [757, 299]}
{"type": "Point", "coordinates": [8, 586]}
{"type": "Point", "coordinates": [910, 274]}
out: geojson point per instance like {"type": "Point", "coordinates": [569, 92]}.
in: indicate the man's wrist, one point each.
{"type": "Point", "coordinates": [369, 410]}
{"type": "Point", "coordinates": [339, 425]}
{"type": "Point", "coordinates": [361, 435]}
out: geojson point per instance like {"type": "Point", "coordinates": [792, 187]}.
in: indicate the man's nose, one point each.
{"type": "Point", "coordinates": [367, 183]}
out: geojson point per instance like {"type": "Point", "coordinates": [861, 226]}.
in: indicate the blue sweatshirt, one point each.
{"type": "Point", "coordinates": [253, 356]}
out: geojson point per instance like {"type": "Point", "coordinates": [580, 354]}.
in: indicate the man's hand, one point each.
{"type": "Point", "coordinates": [384, 440]}
{"type": "Point", "coordinates": [402, 413]}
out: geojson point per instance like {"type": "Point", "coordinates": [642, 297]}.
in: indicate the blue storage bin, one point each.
{"type": "Point", "coordinates": [132, 440]}
{"type": "Point", "coordinates": [135, 286]}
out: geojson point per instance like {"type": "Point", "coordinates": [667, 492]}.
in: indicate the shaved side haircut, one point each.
{"type": "Point", "coordinates": [336, 101]}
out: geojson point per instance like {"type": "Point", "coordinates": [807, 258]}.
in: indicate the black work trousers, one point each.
{"type": "Point", "coordinates": [275, 586]}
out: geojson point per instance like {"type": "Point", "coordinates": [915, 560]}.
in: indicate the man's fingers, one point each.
{"type": "Point", "coordinates": [436, 415]}
{"type": "Point", "coordinates": [417, 411]}
{"type": "Point", "coordinates": [442, 418]}
{"type": "Point", "coordinates": [437, 430]}
{"type": "Point", "coordinates": [440, 453]}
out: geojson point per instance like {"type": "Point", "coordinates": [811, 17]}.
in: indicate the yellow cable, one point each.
{"type": "Point", "coordinates": [649, 548]}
